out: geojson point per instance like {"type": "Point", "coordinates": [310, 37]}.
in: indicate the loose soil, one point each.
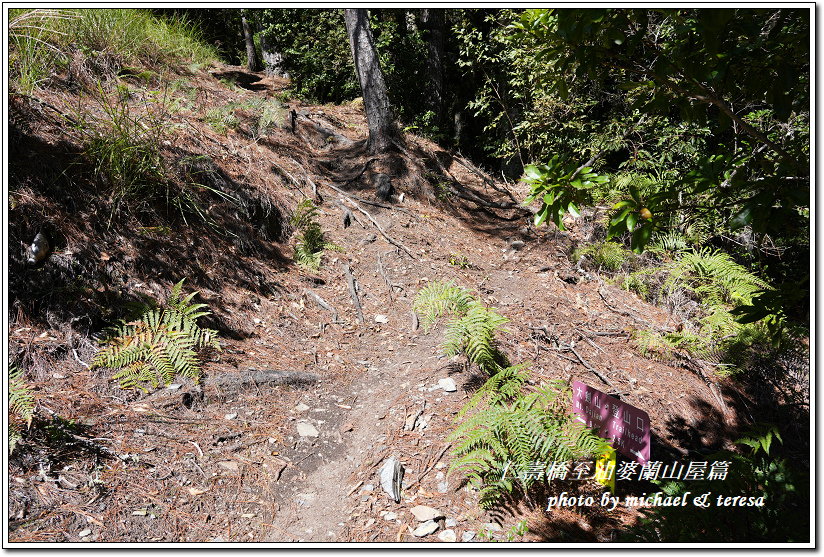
{"type": "Point", "coordinates": [216, 463]}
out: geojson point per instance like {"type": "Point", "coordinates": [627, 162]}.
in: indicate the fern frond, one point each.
{"type": "Point", "coordinates": [437, 299]}
{"type": "Point", "coordinates": [21, 405]}
{"type": "Point", "coordinates": [159, 344]}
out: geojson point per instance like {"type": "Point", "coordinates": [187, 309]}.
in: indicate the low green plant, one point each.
{"type": "Point", "coordinates": [21, 406]}
{"type": "Point", "coordinates": [122, 146]}
{"type": "Point", "coordinates": [608, 255]}
{"type": "Point", "coordinates": [311, 244]}
{"type": "Point", "coordinates": [782, 514]}
{"type": "Point", "coordinates": [222, 118]}
{"type": "Point", "coordinates": [513, 426]}
{"type": "Point", "coordinates": [33, 39]}
{"type": "Point", "coordinates": [156, 343]}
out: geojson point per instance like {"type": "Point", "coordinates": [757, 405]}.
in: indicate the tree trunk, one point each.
{"type": "Point", "coordinates": [271, 59]}
{"type": "Point", "coordinates": [250, 42]}
{"type": "Point", "coordinates": [432, 21]}
{"type": "Point", "coordinates": [382, 128]}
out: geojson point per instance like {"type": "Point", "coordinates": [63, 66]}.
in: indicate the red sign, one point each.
{"type": "Point", "coordinates": [626, 426]}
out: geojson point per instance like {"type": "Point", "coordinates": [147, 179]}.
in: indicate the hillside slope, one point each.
{"type": "Point", "coordinates": [235, 460]}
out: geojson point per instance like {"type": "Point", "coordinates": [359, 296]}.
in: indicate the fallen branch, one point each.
{"type": "Point", "coordinates": [592, 369]}
{"type": "Point", "coordinates": [382, 231]}
{"type": "Point", "coordinates": [469, 166]}
{"type": "Point", "coordinates": [389, 284]}
{"type": "Point", "coordinates": [347, 211]}
{"type": "Point", "coordinates": [350, 281]}
{"type": "Point", "coordinates": [324, 132]}
{"type": "Point", "coordinates": [322, 303]}
{"type": "Point", "coordinates": [308, 179]}
{"type": "Point", "coordinates": [264, 377]}
{"type": "Point", "coordinates": [352, 197]}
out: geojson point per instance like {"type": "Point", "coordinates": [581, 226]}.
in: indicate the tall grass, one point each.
{"type": "Point", "coordinates": [40, 39]}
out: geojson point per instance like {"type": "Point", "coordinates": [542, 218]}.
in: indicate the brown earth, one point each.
{"type": "Point", "coordinates": [226, 462]}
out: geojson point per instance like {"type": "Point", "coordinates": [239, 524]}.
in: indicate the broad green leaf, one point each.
{"type": "Point", "coordinates": [541, 215]}
{"type": "Point", "coordinates": [573, 210]}
{"type": "Point", "coordinates": [620, 216]}
{"type": "Point", "coordinates": [632, 218]}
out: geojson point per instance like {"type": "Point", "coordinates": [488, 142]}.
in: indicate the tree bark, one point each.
{"type": "Point", "coordinates": [271, 59]}
{"type": "Point", "coordinates": [432, 21]}
{"type": "Point", "coordinates": [382, 128]}
{"type": "Point", "coordinates": [250, 42]}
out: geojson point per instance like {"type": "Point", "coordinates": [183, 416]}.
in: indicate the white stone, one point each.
{"type": "Point", "coordinates": [231, 416]}
{"type": "Point", "coordinates": [448, 536]}
{"type": "Point", "coordinates": [381, 318]}
{"type": "Point", "coordinates": [467, 536]}
{"type": "Point", "coordinates": [425, 529]}
{"type": "Point", "coordinates": [307, 430]}
{"type": "Point", "coordinates": [301, 407]}
{"type": "Point", "coordinates": [493, 527]}
{"type": "Point", "coordinates": [448, 385]}
{"type": "Point", "coordinates": [424, 513]}
{"type": "Point", "coordinates": [390, 516]}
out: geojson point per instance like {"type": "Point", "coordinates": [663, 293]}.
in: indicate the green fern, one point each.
{"type": "Point", "coordinates": [713, 277]}
{"type": "Point", "coordinates": [609, 255]}
{"type": "Point", "coordinates": [310, 245]}
{"type": "Point", "coordinates": [474, 334]}
{"type": "Point", "coordinates": [670, 242]}
{"type": "Point", "coordinates": [439, 298]}
{"type": "Point", "coordinates": [511, 428]}
{"type": "Point", "coordinates": [494, 445]}
{"type": "Point", "coordinates": [21, 405]}
{"type": "Point", "coordinates": [156, 343]}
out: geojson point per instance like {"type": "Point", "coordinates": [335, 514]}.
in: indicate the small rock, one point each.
{"type": "Point", "coordinates": [85, 533]}
{"type": "Point", "coordinates": [301, 407]}
{"type": "Point", "coordinates": [58, 376]}
{"type": "Point", "coordinates": [451, 523]}
{"type": "Point", "coordinates": [229, 465]}
{"type": "Point", "coordinates": [424, 513]}
{"type": "Point", "coordinates": [467, 536]}
{"type": "Point", "coordinates": [174, 386]}
{"type": "Point", "coordinates": [448, 536]}
{"type": "Point", "coordinates": [493, 527]}
{"type": "Point", "coordinates": [439, 476]}
{"type": "Point", "coordinates": [230, 416]}
{"type": "Point", "coordinates": [443, 487]}
{"type": "Point", "coordinates": [448, 385]}
{"type": "Point", "coordinates": [391, 474]}
{"type": "Point", "coordinates": [307, 430]}
{"type": "Point", "coordinates": [369, 239]}
{"type": "Point", "coordinates": [390, 516]}
{"type": "Point", "coordinates": [516, 245]}
{"type": "Point", "coordinates": [425, 529]}
{"type": "Point", "coordinates": [381, 318]}
{"type": "Point", "coordinates": [218, 539]}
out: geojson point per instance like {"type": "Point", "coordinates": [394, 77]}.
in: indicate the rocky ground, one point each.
{"type": "Point", "coordinates": [295, 454]}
